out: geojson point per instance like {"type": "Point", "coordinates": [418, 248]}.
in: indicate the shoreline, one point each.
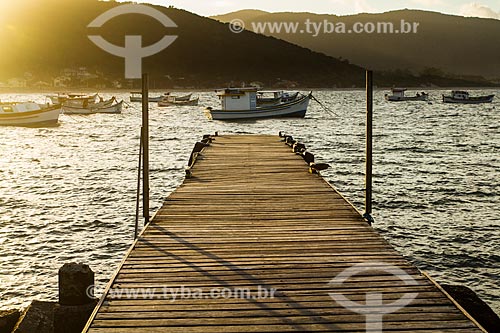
{"type": "Point", "coordinates": [198, 90]}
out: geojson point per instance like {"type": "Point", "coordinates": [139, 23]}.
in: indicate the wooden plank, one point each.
{"type": "Point", "coordinates": [253, 218]}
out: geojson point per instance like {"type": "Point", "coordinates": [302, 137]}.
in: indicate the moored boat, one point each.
{"type": "Point", "coordinates": [462, 97]}
{"type": "Point", "coordinates": [398, 95]}
{"type": "Point", "coordinates": [136, 96]}
{"type": "Point", "coordinates": [29, 114]}
{"type": "Point", "coordinates": [60, 98]}
{"type": "Point", "coordinates": [79, 106]}
{"type": "Point", "coordinates": [241, 103]}
{"type": "Point", "coordinates": [175, 101]}
{"type": "Point", "coordinates": [181, 98]}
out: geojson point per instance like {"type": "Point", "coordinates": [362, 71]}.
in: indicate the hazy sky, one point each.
{"type": "Point", "coordinates": [480, 8]}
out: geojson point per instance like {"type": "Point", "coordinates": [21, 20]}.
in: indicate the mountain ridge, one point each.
{"type": "Point", "coordinates": [45, 41]}
{"type": "Point", "coordinates": [440, 38]}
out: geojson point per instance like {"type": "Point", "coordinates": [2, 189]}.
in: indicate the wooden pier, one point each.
{"type": "Point", "coordinates": [252, 220]}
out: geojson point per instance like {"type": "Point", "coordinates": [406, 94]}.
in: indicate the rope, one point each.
{"type": "Point", "coordinates": [327, 109]}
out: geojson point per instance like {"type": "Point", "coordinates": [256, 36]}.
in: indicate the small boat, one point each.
{"type": "Point", "coordinates": [398, 95]}
{"type": "Point", "coordinates": [241, 103]}
{"type": "Point", "coordinates": [79, 106]}
{"type": "Point", "coordinates": [29, 114]}
{"type": "Point", "coordinates": [182, 98]}
{"type": "Point", "coordinates": [60, 98]}
{"type": "Point", "coordinates": [175, 101]}
{"type": "Point", "coordinates": [112, 109]}
{"type": "Point", "coordinates": [136, 96]}
{"type": "Point", "coordinates": [462, 97]}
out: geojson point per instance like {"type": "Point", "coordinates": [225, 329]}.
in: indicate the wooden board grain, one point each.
{"type": "Point", "coordinates": [252, 219]}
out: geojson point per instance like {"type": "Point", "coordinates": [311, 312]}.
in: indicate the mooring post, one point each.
{"type": "Point", "coordinates": [138, 190]}
{"type": "Point", "coordinates": [369, 147]}
{"type": "Point", "coordinates": [145, 148]}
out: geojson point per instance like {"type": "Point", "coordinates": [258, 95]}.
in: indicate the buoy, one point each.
{"type": "Point", "coordinates": [299, 148]}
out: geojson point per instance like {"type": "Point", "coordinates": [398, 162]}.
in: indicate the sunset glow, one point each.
{"type": "Point", "coordinates": [484, 8]}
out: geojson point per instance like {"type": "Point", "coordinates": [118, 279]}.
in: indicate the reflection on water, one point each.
{"type": "Point", "coordinates": [68, 193]}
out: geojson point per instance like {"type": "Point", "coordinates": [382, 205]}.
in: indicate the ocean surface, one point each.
{"type": "Point", "coordinates": [68, 193]}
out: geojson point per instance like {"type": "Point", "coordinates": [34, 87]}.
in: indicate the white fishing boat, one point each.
{"type": "Point", "coordinates": [29, 114]}
{"type": "Point", "coordinates": [181, 98]}
{"type": "Point", "coordinates": [60, 98]}
{"type": "Point", "coordinates": [79, 106]}
{"type": "Point", "coordinates": [398, 95]}
{"type": "Point", "coordinates": [175, 101]}
{"type": "Point", "coordinates": [113, 108]}
{"type": "Point", "coordinates": [136, 96]}
{"type": "Point", "coordinates": [241, 103]}
{"type": "Point", "coordinates": [462, 97]}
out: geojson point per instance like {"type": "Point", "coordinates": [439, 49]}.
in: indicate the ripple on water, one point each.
{"type": "Point", "coordinates": [68, 193]}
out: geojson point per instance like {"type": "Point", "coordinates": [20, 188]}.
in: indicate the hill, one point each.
{"type": "Point", "coordinates": [47, 39]}
{"type": "Point", "coordinates": [246, 15]}
{"type": "Point", "coordinates": [49, 35]}
{"type": "Point", "coordinates": [453, 44]}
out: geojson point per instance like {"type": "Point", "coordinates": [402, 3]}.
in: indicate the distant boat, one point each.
{"type": "Point", "coordinates": [136, 96]}
{"type": "Point", "coordinates": [398, 95]}
{"type": "Point", "coordinates": [181, 98]}
{"type": "Point", "coordinates": [83, 106]}
{"type": "Point", "coordinates": [63, 97]}
{"type": "Point", "coordinates": [241, 103]}
{"type": "Point", "coordinates": [178, 101]}
{"type": "Point", "coordinates": [29, 114]}
{"type": "Point", "coordinates": [462, 97]}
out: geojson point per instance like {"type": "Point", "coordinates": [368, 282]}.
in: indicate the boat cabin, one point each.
{"type": "Point", "coordinates": [398, 92]}
{"type": "Point", "coordinates": [271, 94]}
{"type": "Point", "coordinates": [19, 107]}
{"type": "Point", "coordinates": [236, 99]}
{"type": "Point", "coordinates": [459, 94]}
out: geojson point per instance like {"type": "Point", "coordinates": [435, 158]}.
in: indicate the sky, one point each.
{"type": "Point", "coordinates": [479, 8]}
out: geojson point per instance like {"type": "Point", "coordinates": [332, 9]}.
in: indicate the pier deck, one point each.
{"type": "Point", "coordinates": [252, 220]}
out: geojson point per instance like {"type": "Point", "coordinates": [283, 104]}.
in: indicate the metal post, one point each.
{"type": "Point", "coordinates": [138, 193]}
{"type": "Point", "coordinates": [145, 148]}
{"type": "Point", "coordinates": [369, 146]}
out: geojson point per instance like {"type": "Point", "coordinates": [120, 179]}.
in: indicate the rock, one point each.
{"type": "Point", "coordinates": [37, 318]}
{"type": "Point", "coordinates": [72, 319]}
{"type": "Point", "coordinates": [8, 320]}
{"type": "Point", "coordinates": [76, 282]}
{"type": "Point", "coordinates": [475, 306]}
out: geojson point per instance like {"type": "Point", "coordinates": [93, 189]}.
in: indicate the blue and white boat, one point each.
{"type": "Point", "coordinates": [462, 97]}
{"type": "Point", "coordinates": [241, 103]}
